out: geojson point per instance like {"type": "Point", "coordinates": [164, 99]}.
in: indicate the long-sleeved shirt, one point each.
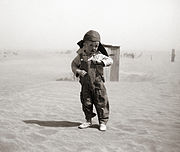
{"type": "Point", "coordinates": [107, 61]}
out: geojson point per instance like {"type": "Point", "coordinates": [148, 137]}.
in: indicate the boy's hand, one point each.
{"type": "Point", "coordinates": [97, 62]}
{"type": "Point", "coordinates": [82, 73]}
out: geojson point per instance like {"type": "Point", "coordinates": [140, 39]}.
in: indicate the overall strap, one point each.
{"type": "Point", "coordinates": [83, 63]}
{"type": "Point", "coordinates": [85, 81]}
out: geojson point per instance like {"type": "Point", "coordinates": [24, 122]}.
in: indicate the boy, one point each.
{"type": "Point", "coordinates": [88, 65]}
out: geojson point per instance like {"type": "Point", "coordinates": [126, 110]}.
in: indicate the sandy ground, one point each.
{"type": "Point", "coordinates": [40, 114]}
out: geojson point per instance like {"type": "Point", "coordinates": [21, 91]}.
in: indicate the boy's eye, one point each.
{"type": "Point", "coordinates": [94, 46]}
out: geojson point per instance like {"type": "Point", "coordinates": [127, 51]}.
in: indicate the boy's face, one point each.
{"type": "Point", "coordinates": [91, 47]}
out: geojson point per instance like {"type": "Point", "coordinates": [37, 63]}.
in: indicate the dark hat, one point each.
{"type": "Point", "coordinates": [92, 36]}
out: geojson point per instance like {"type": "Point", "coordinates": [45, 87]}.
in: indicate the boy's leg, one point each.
{"type": "Point", "coordinates": [102, 104]}
{"type": "Point", "coordinates": [87, 107]}
{"type": "Point", "coordinates": [87, 104]}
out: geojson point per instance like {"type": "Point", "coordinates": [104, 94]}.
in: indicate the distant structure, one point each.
{"type": "Point", "coordinates": [173, 55]}
{"type": "Point", "coordinates": [112, 73]}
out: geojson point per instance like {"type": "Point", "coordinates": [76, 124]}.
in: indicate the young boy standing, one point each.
{"type": "Point", "coordinates": [88, 66]}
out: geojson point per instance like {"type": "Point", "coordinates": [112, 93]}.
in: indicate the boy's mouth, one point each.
{"type": "Point", "coordinates": [93, 51]}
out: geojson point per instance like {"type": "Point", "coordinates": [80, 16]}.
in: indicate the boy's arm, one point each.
{"type": "Point", "coordinates": [75, 64]}
{"type": "Point", "coordinates": [75, 67]}
{"type": "Point", "coordinates": [107, 60]}
{"type": "Point", "coordinates": [101, 59]}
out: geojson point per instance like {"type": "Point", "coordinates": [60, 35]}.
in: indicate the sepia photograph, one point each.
{"type": "Point", "coordinates": [89, 76]}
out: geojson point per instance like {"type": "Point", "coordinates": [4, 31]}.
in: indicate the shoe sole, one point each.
{"type": "Point", "coordinates": [84, 127]}
{"type": "Point", "coordinates": [102, 130]}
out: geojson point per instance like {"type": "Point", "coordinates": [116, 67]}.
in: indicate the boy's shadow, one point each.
{"type": "Point", "coordinates": [57, 123]}
{"type": "Point", "coordinates": [53, 123]}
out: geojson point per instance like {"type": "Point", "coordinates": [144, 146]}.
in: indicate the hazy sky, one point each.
{"type": "Point", "coordinates": [60, 24]}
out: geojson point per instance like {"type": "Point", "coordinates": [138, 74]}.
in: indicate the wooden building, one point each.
{"type": "Point", "coordinates": [112, 73]}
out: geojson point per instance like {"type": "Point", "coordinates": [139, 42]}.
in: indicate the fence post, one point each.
{"type": "Point", "coordinates": [173, 55]}
{"type": "Point", "coordinates": [114, 76]}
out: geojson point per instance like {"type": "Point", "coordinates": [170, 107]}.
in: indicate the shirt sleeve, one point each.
{"type": "Point", "coordinates": [106, 60]}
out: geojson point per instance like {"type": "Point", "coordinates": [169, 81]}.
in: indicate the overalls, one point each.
{"type": "Point", "coordinates": [93, 91]}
